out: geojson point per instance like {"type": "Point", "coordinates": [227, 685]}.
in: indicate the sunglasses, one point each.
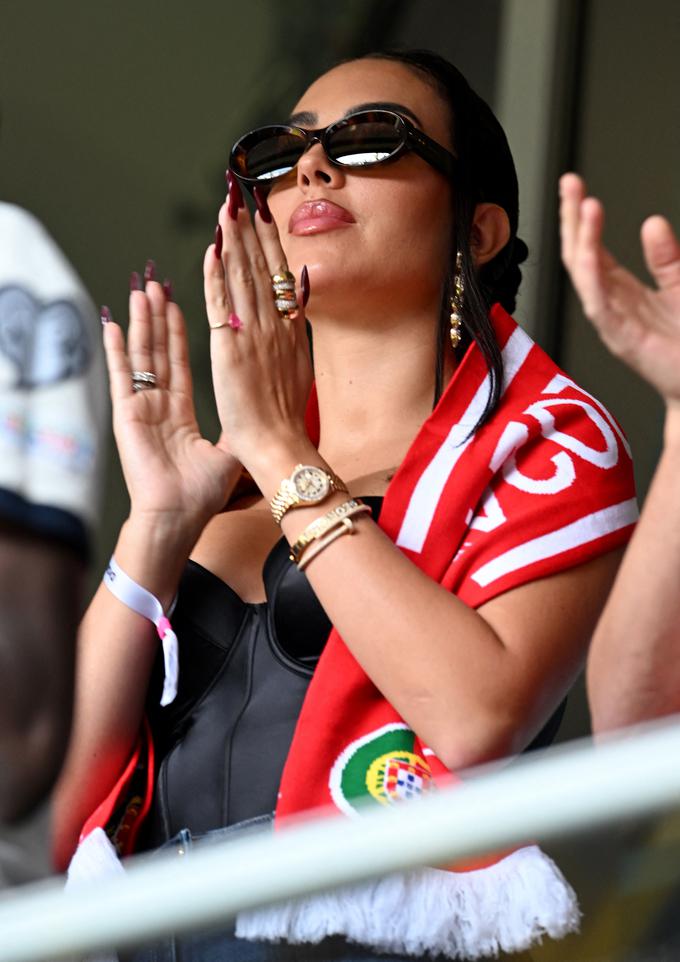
{"type": "Point", "coordinates": [364, 139]}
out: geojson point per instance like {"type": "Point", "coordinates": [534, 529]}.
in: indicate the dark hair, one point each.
{"type": "Point", "coordinates": [485, 171]}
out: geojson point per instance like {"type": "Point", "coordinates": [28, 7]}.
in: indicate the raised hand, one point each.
{"type": "Point", "coordinates": [260, 360]}
{"type": "Point", "coordinates": [638, 323]}
{"type": "Point", "coordinates": [171, 471]}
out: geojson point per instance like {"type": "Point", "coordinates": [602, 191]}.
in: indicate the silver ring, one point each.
{"type": "Point", "coordinates": [143, 380]}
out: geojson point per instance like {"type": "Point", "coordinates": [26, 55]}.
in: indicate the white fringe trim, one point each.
{"type": "Point", "coordinates": [95, 859]}
{"type": "Point", "coordinates": [507, 907]}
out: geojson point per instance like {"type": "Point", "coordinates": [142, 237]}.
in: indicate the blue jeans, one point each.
{"type": "Point", "coordinates": [222, 945]}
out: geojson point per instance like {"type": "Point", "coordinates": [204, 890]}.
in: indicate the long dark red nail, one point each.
{"type": "Point", "coordinates": [218, 242]}
{"type": "Point", "coordinates": [167, 289]}
{"type": "Point", "coordinates": [105, 314]}
{"type": "Point", "coordinates": [135, 281]}
{"type": "Point", "coordinates": [149, 271]}
{"type": "Point", "coordinates": [304, 285]}
{"type": "Point", "coordinates": [262, 205]}
{"type": "Point", "coordinates": [235, 200]}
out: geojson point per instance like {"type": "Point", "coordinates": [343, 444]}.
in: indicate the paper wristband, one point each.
{"type": "Point", "coordinates": [148, 606]}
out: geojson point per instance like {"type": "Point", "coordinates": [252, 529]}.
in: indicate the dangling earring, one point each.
{"type": "Point", "coordinates": [456, 317]}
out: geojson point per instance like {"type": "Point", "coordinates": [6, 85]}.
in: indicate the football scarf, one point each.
{"type": "Point", "coordinates": [545, 485]}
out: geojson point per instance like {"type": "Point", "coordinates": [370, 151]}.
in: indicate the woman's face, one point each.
{"type": "Point", "coordinates": [381, 235]}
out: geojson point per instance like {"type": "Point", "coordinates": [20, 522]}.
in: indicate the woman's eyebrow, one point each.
{"type": "Point", "coordinates": [306, 118]}
{"type": "Point", "coordinates": [385, 105]}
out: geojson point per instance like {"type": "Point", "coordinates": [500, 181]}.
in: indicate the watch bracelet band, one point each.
{"type": "Point", "coordinates": [321, 526]}
{"type": "Point", "coordinates": [285, 499]}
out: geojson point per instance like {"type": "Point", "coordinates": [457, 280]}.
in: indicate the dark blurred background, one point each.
{"type": "Point", "coordinates": [116, 120]}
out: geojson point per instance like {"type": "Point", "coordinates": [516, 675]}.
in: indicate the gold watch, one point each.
{"type": "Point", "coordinates": [307, 485]}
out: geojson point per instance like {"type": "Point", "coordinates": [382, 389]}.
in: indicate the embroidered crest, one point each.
{"type": "Point", "coordinates": [381, 765]}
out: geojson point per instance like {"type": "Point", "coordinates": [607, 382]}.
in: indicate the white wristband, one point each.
{"type": "Point", "coordinates": [148, 606]}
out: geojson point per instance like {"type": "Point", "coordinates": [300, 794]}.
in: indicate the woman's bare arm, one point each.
{"type": "Point", "coordinates": [632, 669]}
{"type": "Point", "coordinates": [177, 481]}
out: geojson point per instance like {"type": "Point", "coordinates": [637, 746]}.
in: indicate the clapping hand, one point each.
{"type": "Point", "coordinates": [260, 356]}
{"type": "Point", "coordinates": [172, 473]}
{"type": "Point", "coordinates": [638, 323]}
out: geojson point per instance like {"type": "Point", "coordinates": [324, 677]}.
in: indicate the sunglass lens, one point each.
{"type": "Point", "coordinates": [364, 143]}
{"type": "Point", "coordinates": [269, 156]}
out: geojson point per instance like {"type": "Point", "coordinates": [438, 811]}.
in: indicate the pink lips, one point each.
{"type": "Point", "coordinates": [315, 216]}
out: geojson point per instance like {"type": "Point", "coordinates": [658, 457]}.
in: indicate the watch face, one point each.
{"type": "Point", "coordinates": [311, 484]}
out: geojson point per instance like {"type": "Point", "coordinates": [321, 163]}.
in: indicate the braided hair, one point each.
{"type": "Point", "coordinates": [485, 172]}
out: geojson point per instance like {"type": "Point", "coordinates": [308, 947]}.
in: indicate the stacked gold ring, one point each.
{"type": "Point", "coordinates": [285, 298]}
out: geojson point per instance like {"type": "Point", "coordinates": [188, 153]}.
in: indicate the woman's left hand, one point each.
{"type": "Point", "coordinates": [261, 362]}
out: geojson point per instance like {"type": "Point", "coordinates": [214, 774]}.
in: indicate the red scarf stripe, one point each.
{"type": "Point", "coordinates": [429, 493]}
{"type": "Point", "coordinates": [596, 525]}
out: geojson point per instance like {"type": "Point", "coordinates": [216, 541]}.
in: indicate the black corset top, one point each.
{"type": "Point", "coordinates": [244, 670]}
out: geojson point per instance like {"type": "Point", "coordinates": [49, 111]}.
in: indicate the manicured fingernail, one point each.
{"type": "Point", "coordinates": [135, 281]}
{"type": "Point", "coordinates": [304, 285]}
{"type": "Point", "coordinates": [235, 322]}
{"type": "Point", "coordinates": [235, 200]}
{"type": "Point", "coordinates": [105, 314]}
{"type": "Point", "coordinates": [262, 205]}
{"type": "Point", "coordinates": [167, 289]}
{"type": "Point", "coordinates": [218, 242]}
{"type": "Point", "coordinates": [149, 271]}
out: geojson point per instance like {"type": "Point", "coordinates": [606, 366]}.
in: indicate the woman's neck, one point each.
{"type": "Point", "coordinates": [375, 385]}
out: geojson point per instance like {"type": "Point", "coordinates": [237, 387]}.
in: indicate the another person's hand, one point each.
{"type": "Point", "coordinates": [638, 323]}
{"type": "Point", "coordinates": [172, 472]}
{"type": "Point", "coordinates": [261, 361]}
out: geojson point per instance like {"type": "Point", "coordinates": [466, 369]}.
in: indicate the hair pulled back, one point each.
{"type": "Point", "coordinates": [485, 172]}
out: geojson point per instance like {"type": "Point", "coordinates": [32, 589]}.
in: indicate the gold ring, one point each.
{"type": "Point", "coordinates": [285, 297]}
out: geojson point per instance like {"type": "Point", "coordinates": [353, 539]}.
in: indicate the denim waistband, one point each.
{"type": "Point", "coordinates": [185, 840]}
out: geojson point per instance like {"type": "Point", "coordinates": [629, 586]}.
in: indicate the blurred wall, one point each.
{"type": "Point", "coordinates": [627, 145]}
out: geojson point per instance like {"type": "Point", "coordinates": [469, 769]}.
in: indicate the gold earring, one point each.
{"type": "Point", "coordinates": [456, 316]}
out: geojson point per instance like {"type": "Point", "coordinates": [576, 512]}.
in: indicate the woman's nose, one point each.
{"type": "Point", "coordinates": [314, 167]}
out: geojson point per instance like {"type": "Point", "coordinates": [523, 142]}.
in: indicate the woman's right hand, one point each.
{"type": "Point", "coordinates": [639, 324]}
{"type": "Point", "coordinates": [174, 476]}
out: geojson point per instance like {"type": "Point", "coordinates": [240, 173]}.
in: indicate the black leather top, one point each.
{"type": "Point", "coordinates": [244, 670]}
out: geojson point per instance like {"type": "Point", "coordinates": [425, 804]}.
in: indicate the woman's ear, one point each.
{"type": "Point", "coordinates": [490, 232]}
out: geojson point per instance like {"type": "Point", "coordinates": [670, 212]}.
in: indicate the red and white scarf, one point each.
{"type": "Point", "coordinates": [545, 485]}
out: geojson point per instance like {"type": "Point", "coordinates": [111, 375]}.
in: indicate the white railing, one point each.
{"type": "Point", "coordinates": [561, 792]}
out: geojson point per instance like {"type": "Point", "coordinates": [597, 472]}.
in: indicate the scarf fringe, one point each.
{"type": "Point", "coordinates": [94, 860]}
{"type": "Point", "coordinates": [506, 907]}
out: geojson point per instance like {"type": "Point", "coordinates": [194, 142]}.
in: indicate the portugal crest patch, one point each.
{"type": "Point", "coordinates": [381, 765]}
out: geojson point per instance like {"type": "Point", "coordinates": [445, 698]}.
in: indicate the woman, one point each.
{"type": "Point", "coordinates": [632, 669]}
{"type": "Point", "coordinates": [503, 510]}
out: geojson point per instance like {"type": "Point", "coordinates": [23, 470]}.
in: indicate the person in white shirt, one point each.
{"type": "Point", "coordinates": [53, 409]}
